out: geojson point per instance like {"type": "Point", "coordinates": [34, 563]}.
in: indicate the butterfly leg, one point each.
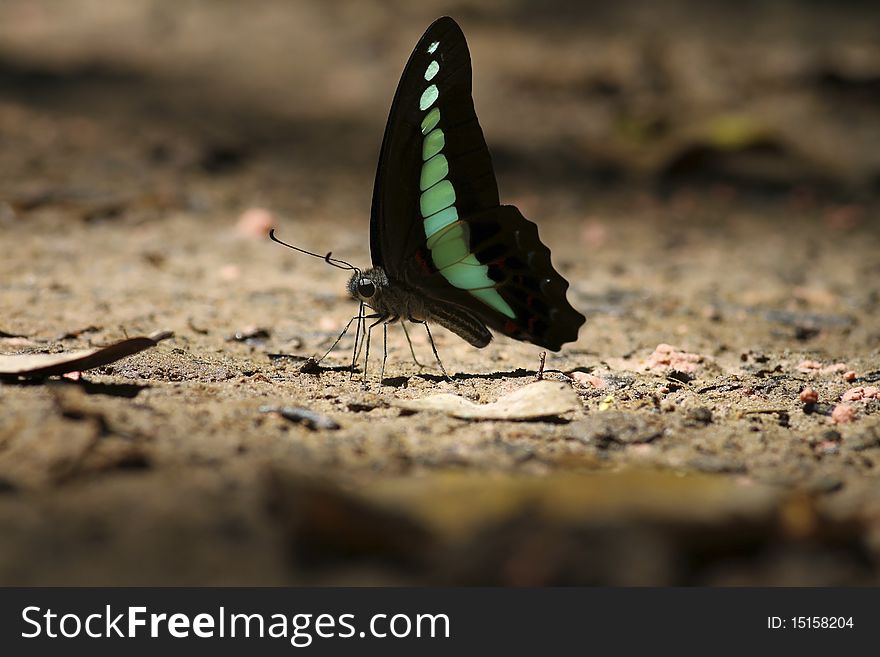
{"type": "Point", "coordinates": [434, 349]}
{"type": "Point", "coordinates": [356, 349]}
{"type": "Point", "coordinates": [409, 342]}
{"type": "Point", "coordinates": [369, 332]}
{"type": "Point", "coordinates": [358, 338]}
{"type": "Point", "coordinates": [384, 351]}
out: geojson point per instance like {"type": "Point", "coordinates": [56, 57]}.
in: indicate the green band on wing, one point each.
{"type": "Point", "coordinates": [448, 238]}
{"type": "Point", "coordinates": [431, 120]}
{"type": "Point", "coordinates": [433, 144]}
{"type": "Point", "coordinates": [466, 276]}
{"type": "Point", "coordinates": [439, 197]}
{"type": "Point", "coordinates": [433, 171]}
{"type": "Point", "coordinates": [491, 298]}
{"type": "Point", "coordinates": [441, 220]}
{"type": "Point", "coordinates": [450, 252]}
{"type": "Point", "coordinates": [429, 95]}
{"type": "Point", "coordinates": [458, 230]}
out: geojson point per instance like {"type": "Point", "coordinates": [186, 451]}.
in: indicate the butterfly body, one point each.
{"type": "Point", "coordinates": [395, 301]}
{"type": "Point", "coordinates": [444, 248]}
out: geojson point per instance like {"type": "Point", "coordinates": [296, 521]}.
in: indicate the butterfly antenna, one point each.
{"type": "Point", "coordinates": [336, 262]}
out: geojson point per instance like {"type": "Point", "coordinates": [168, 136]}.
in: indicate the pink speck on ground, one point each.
{"type": "Point", "coordinates": [594, 234]}
{"type": "Point", "coordinates": [849, 376]}
{"type": "Point", "coordinates": [815, 367]}
{"type": "Point", "coordinates": [586, 379]}
{"type": "Point", "coordinates": [843, 413]}
{"type": "Point", "coordinates": [667, 358]}
{"type": "Point", "coordinates": [73, 376]}
{"type": "Point", "coordinates": [255, 223]}
{"type": "Point", "coordinates": [861, 393]}
{"type": "Point", "coordinates": [230, 272]}
{"type": "Point", "coordinates": [809, 396]}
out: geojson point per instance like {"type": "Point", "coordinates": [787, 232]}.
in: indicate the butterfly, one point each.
{"type": "Point", "coordinates": [444, 250]}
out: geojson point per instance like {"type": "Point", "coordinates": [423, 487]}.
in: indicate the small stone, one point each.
{"type": "Point", "coordinates": [585, 379]}
{"type": "Point", "coordinates": [249, 334]}
{"type": "Point", "coordinates": [809, 396]}
{"type": "Point", "coordinates": [667, 358]}
{"type": "Point", "coordinates": [849, 376]}
{"type": "Point", "coordinates": [842, 414]}
{"type": "Point", "coordinates": [861, 393]}
{"type": "Point", "coordinates": [304, 416]}
{"type": "Point", "coordinates": [815, 367]}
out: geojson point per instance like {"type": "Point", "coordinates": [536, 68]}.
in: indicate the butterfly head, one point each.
{"type": "Point", "coordinates": [367, 286]}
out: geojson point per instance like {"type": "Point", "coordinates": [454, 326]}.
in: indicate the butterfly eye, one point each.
{"type": "Point", "coordinates": [366, 288]}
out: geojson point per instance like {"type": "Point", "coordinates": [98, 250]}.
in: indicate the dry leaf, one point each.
{"type": "Point", "coordinates": [534, 401]}
{"type": "Point", "coordinates": [41, 365]}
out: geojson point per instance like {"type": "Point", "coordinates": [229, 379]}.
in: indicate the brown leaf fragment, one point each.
{"type": "Point", "coordinates": [535, 401]}
{"type": "Point", "coordinates": [43, 365]}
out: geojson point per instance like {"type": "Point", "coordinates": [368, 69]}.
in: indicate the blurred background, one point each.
{"type": "Point", "coordinates": [154, 98]}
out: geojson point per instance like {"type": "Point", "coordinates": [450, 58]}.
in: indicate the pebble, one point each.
{"type": "Point", "coordinates": [667, 358]}
{"type": "Point", "coordinates": [843, 413]}
{"type": "Point", "coordinates": [304, 416]}
{"type": "Point", "coordinates": [586, 379]}
{"type": "Point", "coordinates": [809, 396]}
{"type": "Point", "coordinates": [860, 393]}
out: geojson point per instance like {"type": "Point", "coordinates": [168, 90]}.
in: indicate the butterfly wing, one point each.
{"type": "Point", "coordinates": [505, 279]}
{"type": "Point", "coordinates": [432, 114]}
{"type": "Point", "coordinates": [436, 222]}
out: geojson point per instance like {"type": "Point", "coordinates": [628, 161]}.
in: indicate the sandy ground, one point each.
{"type": "Point", "coordinates": [712, 200]}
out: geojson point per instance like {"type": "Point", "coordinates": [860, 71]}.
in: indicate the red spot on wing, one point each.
{"type": "Point", "coordinates": [420, 258]}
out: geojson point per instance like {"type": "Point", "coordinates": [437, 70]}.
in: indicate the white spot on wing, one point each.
{"type": "Point", "coordinates": [432, 70]}
{"type": "Point", "coordinates": [433, 47]}
{"type": "Point", "coordinates": [428, 97]}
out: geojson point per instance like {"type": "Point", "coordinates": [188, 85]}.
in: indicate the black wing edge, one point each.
{"type": "Point", "coordinates": [520, 264]}
{"type": "Point", "coordinates": [439, 29]}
